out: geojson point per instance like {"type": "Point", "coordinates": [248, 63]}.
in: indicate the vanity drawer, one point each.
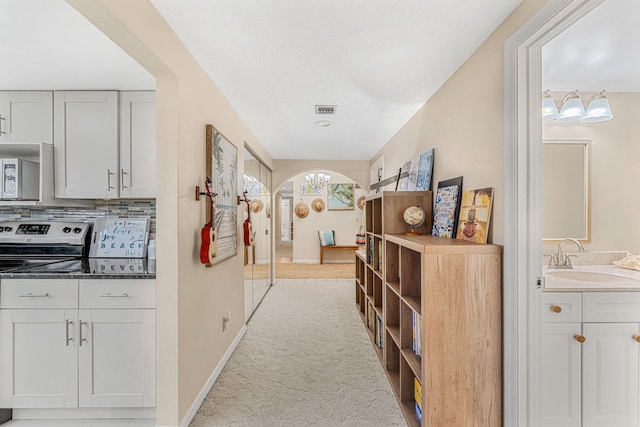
{"type": "Point", "coordinates": [611, 307]}
{"type": "Point", "coordinates": [39, 293]}
{"type": "Point", "coordinates": [561, 307]}
{"type": "Point", "coordinates": [133, 293]}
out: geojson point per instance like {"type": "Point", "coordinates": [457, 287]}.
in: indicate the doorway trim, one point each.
{"type": "Point", "coordinates": [522, 296]}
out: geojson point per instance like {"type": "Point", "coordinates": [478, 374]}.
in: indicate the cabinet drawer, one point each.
{"type": "Point", "coordinates": [561, 307]}
{"type": "Point", "coordinates": [611, 306]}
{"type": "Point", "coordinates": [38, 293]}
{"type": "Point", "coordinates": [118, 293]}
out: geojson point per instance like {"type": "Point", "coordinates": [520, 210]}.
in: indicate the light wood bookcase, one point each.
{"type": "Point", "coordinates": [383, 214]}
{"type": "Point", "coordinates": [455, 287]}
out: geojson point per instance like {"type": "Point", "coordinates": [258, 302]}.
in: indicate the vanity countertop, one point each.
{"type": "Point", "coordinates": [591, 278]}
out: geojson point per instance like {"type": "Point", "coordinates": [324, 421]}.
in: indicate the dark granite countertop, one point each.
{"type": "Point", "coordinates": [92, 268]}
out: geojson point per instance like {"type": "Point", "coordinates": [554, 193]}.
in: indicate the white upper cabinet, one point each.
{"type": "Point", "coordinates": [105, 144]}
{"type": "Point", "coordinates": [86, 144]}
{"type": "Point", "coordinates": [137, 145]}
{"type": "Point", "coordinates": [26, 116]}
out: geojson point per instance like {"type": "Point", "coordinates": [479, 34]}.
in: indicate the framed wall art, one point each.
{"type": "Point", "coordinates": [447, 207]}
{"type": "Point", "coordinates": [340, 197]}
{"type": "Point", "coordinates": [222, 167]}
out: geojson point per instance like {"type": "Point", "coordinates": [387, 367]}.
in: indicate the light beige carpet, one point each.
{"type": "Point", "coordinates": [306, 360]}
{"type": "Point", "coordinates": [304, 271]}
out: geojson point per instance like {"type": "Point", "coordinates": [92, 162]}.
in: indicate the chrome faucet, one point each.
{"type": "Point", "coordinates": [563, 261]}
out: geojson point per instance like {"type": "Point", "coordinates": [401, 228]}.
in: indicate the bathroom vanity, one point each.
{"type": "Point", "coordinates": [591, 347]}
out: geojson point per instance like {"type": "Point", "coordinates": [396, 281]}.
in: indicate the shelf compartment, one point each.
{"type": "Point", "coordinates": [377, 292]}
{"type": "Point", "coordinates": [392, 364]}
{"type": "Point", "coordinates": [392, 308]}
{"type": "Point", "coordinates": [414, 361]}
{"type": "Point", "coordinates": [392, 262]}
{"type": "Point", "coordinates": [377, 215]}
{"type": "Point", "coordinates": [407, 393]}
{"type": "Point", "coordinates": [410, 274]}
{"type": "Point", "coordinates": [369, 281]}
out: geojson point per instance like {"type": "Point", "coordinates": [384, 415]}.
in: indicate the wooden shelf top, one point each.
{"type": "Point", "coordinates": [389, 193]}
{"type": "Point", "coordinates": [433, 244]}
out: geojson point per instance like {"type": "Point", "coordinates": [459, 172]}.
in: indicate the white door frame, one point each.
{"type": "Point", "coordinates": [523, 236]}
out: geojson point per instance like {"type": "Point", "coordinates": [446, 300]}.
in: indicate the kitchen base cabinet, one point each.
{"type": "Point", "coordinates": [37, 354]}
{"type": "Point", "coordinates": [77, 344]}
{"type": "Point", "coordinates": [116, 367]}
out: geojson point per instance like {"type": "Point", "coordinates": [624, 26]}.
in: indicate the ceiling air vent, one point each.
{"type": "Point", "coordinates": [325, 109]}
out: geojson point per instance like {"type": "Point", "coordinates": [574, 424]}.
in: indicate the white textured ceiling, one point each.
{"type": "Point", "coordinates": [377, 60]}
{"type": "Point", "coordinates": [600, 51]}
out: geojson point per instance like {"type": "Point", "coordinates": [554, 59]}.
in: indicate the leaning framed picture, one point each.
{"type": "Point", "coordinates": [447, 207]}
{"type": "Point", "coordinates": [340, 197]}
{"type": "Point", "coordinates": [222, 167]}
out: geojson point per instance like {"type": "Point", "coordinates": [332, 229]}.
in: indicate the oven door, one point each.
{"type": "Point", "coordinates": [19, 264]}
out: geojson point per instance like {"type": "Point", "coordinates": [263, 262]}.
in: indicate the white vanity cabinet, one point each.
{"type": "Point", "coordinates": [26, 116]}
{"type": "Point", "coordinates": [591, 366]}
{"type": "Point", "coordinates": [77, 343]}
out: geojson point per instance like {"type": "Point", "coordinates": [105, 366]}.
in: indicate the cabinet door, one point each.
{"type": "Point", "coordinates": [26, 116]}
{"type": "Point", "coordinates": [610, 372]}
{"type": "Point", "coordinates": [137, 144]}
{"type": "Point", "coordinates": [86, 144]}
{"type": "Point", "coordinates": [117, 358]}
{"type": "Point", "coordinates": [561, 382]}
{"type": "Point", "coordinates": [38, 352]}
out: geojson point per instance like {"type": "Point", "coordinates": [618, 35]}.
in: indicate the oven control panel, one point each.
{"type": "Point", "coordinates": [47, 232]}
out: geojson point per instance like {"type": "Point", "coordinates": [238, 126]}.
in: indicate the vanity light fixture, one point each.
{"type": "Point", "coordinates": [317, 180]}
{"type": "Point", "coordinates": [572, 109]}
{"type": "Point", "coordinates": [598, 110]}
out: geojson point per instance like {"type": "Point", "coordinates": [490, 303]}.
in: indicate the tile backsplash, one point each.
{"type": "Point", "coordinates": [101, 209]}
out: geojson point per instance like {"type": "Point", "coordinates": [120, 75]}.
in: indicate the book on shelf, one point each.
{"type": "Point", "coordinates": [417, 333]}
{"type": "Point", "coordinates": [380, 261]}
{"type": "Point", "coordinates": [475, 214]}
{"type": "Point", "coordinates": [379, 331]}
{"type": "Point", "coordinates": [370, 252]}
{"type": "Point", "coordinates": [371, 316]}
{"type": "Point", "coordinates": [417, 394]}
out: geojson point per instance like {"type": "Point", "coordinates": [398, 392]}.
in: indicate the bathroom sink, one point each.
{"type": "Point", "coordinates": [595, 277]}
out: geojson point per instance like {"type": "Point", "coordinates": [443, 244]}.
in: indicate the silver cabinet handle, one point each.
{"type": "Point", "coordinates": [69, 322]}
{"type": "Point", "coordinates": [82, 323]}
{"type": "Point", "coordinates": [109, 186]}
{"type": "Point", "coordinates": [30, 295]}
{"type": "Point", "coordinates": [122, 174]}
{"type": "Point", "coordinates": [108, 295]}
{"type": "Point", "coordinates": [2, 119]}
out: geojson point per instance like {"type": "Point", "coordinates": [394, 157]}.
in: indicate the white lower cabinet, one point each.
{"type": "Point", "coordinates": [591, 374]}
{"type": "Point", "coordinates": [78, 356]}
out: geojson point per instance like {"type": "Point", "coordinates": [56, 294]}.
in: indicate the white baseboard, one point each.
{"type": "Point", "coordinates": [212, 379]}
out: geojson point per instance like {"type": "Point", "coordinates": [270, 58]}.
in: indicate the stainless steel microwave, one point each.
{"type": "Point", "coordinates": [20, 179]}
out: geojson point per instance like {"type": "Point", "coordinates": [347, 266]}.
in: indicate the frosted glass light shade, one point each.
{"type": "Point", "coordinates": [572, 109]}
{"type": "Point", "coordinates": [549, 109]}
{"type": "Point", "coordinates": [598, 110]}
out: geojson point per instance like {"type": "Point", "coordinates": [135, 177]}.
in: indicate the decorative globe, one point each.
{"type": "Point", "coordinates": [414, 216]}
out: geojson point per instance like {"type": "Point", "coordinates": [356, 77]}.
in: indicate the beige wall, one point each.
{"type": "Point", "coordinates": [615, 174]}
{"type": "Point", "coordinates": [306, 245]}
{"type": "Point", "coordinates": [464, 122]}
{"type": "Point", "coordinates": [191, 299]}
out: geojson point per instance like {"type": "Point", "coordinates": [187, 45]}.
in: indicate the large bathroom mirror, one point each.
{"type": "Point", "coordinates": [565, 189]}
